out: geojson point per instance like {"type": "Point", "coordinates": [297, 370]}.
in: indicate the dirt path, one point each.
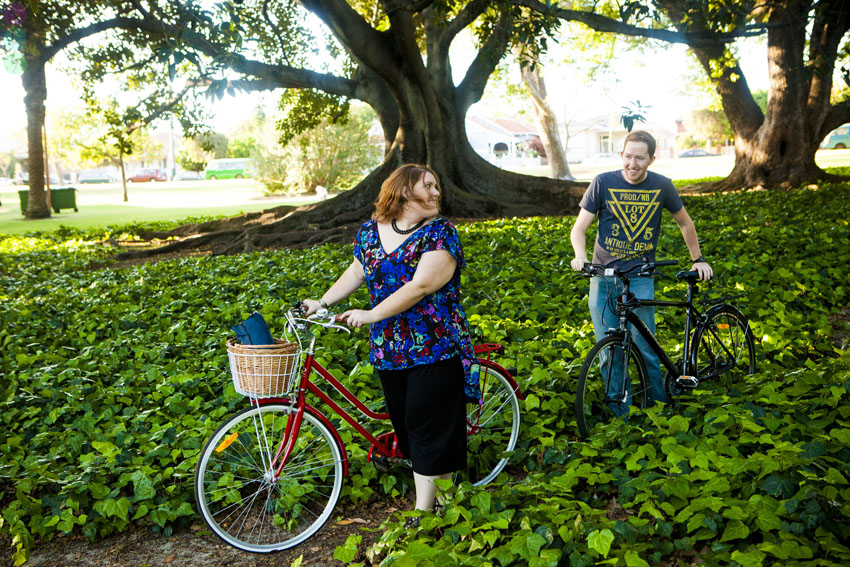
{"type": "Point", "coordinates": [198, 547]}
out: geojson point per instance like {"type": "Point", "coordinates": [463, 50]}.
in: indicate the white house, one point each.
{"type": "Point", "coordinates": [605, 134]}
{"type": "Point", "coordinates": [506, 141]}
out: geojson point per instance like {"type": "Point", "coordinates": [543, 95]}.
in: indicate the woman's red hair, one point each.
{"type": "Point", "coordinates": [395, 190]}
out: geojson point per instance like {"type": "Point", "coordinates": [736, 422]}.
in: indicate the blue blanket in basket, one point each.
{"type": "Point", "coordinates": [253, 331]}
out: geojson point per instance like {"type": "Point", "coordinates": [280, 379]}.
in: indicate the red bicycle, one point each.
{"type": "Point", "coordinates": [270, 476]}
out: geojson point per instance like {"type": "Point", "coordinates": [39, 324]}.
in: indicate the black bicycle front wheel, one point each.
{"type": "Point", "coordinates": [602, 396]}
{"type": "Point", "coordinates": [723, 347]}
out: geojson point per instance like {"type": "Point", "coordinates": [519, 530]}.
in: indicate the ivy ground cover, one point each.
{"type": "Point", "coordinates": [112, 378]}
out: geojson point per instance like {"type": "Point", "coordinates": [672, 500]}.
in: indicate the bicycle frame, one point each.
{"type": "Point", "coordinates": [299, 401]}
{"type": "Point", "coordinates": [627, 303]}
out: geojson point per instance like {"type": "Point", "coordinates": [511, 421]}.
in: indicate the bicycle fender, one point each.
{"type": "Point", "coordinates": [321, 417]}
{"type": "Point", "coordinates": [507, 375]}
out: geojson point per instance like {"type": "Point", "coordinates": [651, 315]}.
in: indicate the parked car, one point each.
{"type": "Point", "coordinates": [228, 168]}
{"type": "Point", "coordinates": [838, 139]}
{"type": "Point", "coordinates": [24, 179]}
{"type": "Point", "coordinates": [95, 176]}
{"type": "Point", "coordinates": [188, 175]}
{"type": "Point", "coordinates": [696, 152]}
{"type": "Point", "coordinates": [149, 174]}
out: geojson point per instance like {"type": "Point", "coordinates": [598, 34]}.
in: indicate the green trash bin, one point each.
{"type": "Point", "coordinates": [60, 198]}
{"type": "Point", "coordinates": [63, 198]}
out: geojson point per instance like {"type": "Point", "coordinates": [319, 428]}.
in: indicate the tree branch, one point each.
{"type": "Point", "coordinates": [466, 16]}
{"type": "Point", "coordinates": [82, 33]}
{"type": "Point", "coordinates": [472, 87]}
{"type": "Point", "coordinates": [602, 23]}
{"type": "Point", "coordinates": [159, 111]}
{"type": "Point", "coordinates": [361, 40]}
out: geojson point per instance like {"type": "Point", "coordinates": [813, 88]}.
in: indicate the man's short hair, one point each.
{"type": "Point", "coordinates": [642, 136]}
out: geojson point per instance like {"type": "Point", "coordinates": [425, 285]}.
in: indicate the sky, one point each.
{"type": "Point", "coordinates": [656, 78]}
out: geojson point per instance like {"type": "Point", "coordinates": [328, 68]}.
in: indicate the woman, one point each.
{"type": "Point", "coordinates": [410, 259]}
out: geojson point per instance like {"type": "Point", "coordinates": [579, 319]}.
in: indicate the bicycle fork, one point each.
{"type": "Point", "coordinates": [273, 465]}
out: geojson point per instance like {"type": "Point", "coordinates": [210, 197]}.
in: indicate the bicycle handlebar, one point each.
{"type": "Point", "coordinates": [322, 317]}
{"type": "Point", "coordinates": [642, 269]}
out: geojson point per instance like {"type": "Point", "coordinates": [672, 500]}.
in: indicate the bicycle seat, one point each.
{"type": "Point", "coordinates": [691, 277]}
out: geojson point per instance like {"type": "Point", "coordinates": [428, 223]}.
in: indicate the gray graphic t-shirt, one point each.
{"type": "Point", "coordinates": [629, 216]}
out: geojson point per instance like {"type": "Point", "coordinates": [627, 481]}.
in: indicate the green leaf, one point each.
{"type": "Point", "coordinates": [634, 560]}
{"type": "Point", "coordinates": [752, 558]}
{"type": "Point", "coordinates": [600, 541]}
{"type": "Point", "coordinates": [735, 529]}
{"type": "Point", "coordinates": [348, 551]}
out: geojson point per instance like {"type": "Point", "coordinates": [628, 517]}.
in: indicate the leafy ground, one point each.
{"type": "Point", "coordinates": [112, 377]}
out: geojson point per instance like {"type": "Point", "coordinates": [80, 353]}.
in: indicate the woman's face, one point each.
{"type": "Point", "coordinates": [425, 197]}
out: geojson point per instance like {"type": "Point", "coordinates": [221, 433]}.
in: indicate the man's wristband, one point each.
{"type": "Point", "coordinates": [324, 304]}
{"type": "Point", "coordinates": [701, 259]}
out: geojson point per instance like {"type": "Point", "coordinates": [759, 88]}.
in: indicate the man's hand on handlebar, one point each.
{"type": "Point", "coordinates": [578, 263]}
{"type": "Point", "coordinates": [703, 269]}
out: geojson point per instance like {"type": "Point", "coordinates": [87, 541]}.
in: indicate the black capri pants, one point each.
{"type": "Point", "coordinates": [427, 407]}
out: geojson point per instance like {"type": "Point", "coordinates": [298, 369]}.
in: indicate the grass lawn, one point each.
{"type": "Point", "coordinates": [102, 205]}
{"type": "Point", "coordinates": [688, 168]}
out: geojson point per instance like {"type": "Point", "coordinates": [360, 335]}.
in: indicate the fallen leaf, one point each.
{"type": "Point", "coordinates": [170, 558]}
{"type": "Point", "coordinates": [350, 521]}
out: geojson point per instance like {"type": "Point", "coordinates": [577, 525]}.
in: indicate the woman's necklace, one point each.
{"type": "Point", "coordinates": [409, 230]}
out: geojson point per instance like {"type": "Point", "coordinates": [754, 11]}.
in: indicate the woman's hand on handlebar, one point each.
{"type": "Point", "coordinates": [310, 306]}
{"type": "Point", "coordinates": [357, 317]}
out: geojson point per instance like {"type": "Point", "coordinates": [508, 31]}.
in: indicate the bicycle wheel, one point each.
{"type": "Point", "coordinates": [492, 429]}
{"type": "Point", "coordinates": [236, 489]}
{"type": "Point", "coordinates": [723, 347]}
{"type": "Point", "coordinates": [600, 396]}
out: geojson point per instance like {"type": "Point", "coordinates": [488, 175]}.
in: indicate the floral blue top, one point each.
{"type": "Point", "coordinates": [435, 328]}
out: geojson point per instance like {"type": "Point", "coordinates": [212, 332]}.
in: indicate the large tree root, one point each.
{"type": "Point", "coordinates": [337, 219]}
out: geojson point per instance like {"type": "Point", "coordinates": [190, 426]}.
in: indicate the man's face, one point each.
{"type": "Point", "coordinates": [636, 161]}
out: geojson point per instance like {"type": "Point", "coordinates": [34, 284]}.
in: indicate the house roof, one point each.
{"type": "Point", "coordinates": [509, 125]}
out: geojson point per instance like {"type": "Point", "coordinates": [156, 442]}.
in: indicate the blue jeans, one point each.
{"type": "Point", "coordinates": [604, 292]}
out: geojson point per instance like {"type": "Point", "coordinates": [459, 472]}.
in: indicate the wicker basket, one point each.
{"type": "Point", "coordinates": [264, 371]}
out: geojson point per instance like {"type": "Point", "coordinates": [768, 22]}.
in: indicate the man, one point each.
{"type": "Point", "coordinates": [628, 203]}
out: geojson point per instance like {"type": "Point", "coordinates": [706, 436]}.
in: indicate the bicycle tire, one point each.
{"type": "Point", "coordinates": [723, 346]}
{"type": "Point", "coordinates": [593, 408]}
{"type": "Point", "coordinates": [492, 428]}
{"type": "Point", "coordinates": [237, 494]}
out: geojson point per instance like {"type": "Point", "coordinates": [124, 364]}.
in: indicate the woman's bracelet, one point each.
{"type": "Point", "coordinates": [324, 304]}
{"type": "Point", "coordinates": [701, 259]}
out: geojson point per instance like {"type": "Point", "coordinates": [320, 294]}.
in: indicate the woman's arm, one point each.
{"type": "Point", "coordinates": [435, 269]}
{"type": "Point", "coordinates": [350, 280]}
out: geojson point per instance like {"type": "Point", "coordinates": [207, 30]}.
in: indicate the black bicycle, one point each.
{"type": "Point", "coordinates": [717, 343]}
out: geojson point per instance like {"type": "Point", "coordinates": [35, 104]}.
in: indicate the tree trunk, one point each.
{"type": "Point", "coordinates": [423, 112]}
{"type": "Point", "coordinates": [546, 121]}
{"type": "Point", "coordinates": [777, 149]}
{"type": "Point", "coordinates": [36, 92]}
{"type": "Point", "coordinates": [123, 175]}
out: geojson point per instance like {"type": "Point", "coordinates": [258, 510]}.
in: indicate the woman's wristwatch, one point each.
{"type": "Point", "coordinates": [324, 304]}
{"type": "Point", "coordinates": [701, 259]}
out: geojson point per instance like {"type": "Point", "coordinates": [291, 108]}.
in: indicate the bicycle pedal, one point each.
{"type": "Point", "coordinates": [687, 381]}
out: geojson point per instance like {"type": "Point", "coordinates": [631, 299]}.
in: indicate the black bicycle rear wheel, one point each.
{"type": "Point", "coordinates": [723, 347]}
{"type": "Point", "coordinates": [600, 398]}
